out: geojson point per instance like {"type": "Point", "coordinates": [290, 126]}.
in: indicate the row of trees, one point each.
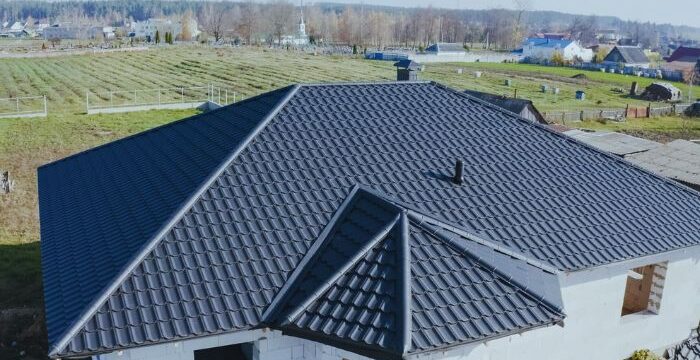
{"type": "Point", "coordinates": [255, 21]}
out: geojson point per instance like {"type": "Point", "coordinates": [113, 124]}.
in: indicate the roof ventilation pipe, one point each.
{"type": "Point", "coordinates": [458, 177]}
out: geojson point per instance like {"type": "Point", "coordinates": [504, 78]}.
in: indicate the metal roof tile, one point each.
{"type": "Point", "coordinates": [266, 209]}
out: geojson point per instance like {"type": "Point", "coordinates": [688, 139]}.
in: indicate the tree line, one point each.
{"type": "Point", "coordinates": [254, 22]}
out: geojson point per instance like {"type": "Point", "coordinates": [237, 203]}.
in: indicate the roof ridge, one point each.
{"type": "Point", "coordinates": [104, 294]}
{"type": "Point", "coordinates": [160, 127]}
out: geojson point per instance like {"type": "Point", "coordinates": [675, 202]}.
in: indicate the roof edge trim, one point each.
{"type": "Point", "coordinates": [405, 284]}
{"type": "Point", "coordinates": [65, 338]}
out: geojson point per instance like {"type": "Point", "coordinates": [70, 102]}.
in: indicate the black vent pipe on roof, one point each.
{"type": "Point", "coordinates": [459, 173]}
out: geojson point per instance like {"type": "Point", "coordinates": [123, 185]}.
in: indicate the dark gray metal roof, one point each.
{"type": "Point", "coordinates": [613, 142]}
{"type": "Point", "coordinates": [214, 262]}
{"type": "Point", "coordinates": [628, 54]}
{"type": "Point", "coordinates": [385, 282]}
{"type": "Point", "coordinates": [516, 106]}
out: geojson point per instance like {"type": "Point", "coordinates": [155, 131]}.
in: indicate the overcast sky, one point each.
{"type": "Point", "coordinates": [677, 12]}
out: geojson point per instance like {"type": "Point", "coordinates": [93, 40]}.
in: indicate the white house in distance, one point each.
{"type": "Point", "coordinates": [538, 49]}
{"type": "Point", "coordinates": [396, 220]}
{"type": "Point", "coordinates": [147, 29]}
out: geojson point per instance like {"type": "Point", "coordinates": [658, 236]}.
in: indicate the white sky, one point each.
{"type": "Point", "coordinates": [677, 12]}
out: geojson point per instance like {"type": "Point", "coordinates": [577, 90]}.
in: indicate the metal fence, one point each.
{"type": "Point", "coordinates": [163, 98]}
{"type": "Point", "coordinates": [563, 117]}
{"type": "Point", "coordinates": [26, 106]}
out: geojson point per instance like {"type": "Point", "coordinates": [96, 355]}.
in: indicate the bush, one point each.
{"type": "Point", "coordinates": [644, 354]}
{"type": "Point", "coordinates": [558, 59]}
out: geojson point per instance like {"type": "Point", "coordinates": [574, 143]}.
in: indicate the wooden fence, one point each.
{"type": "Point", "coordinates": [630, 112]}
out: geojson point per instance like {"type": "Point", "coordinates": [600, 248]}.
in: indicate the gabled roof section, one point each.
{"type": "Point", "coordinates": [408, 286]}
{"type": "Point", "coordinates": [628, 54]}
{"type": "Point", "coordinates": [101, 208]}
{"type": "Point", "coordinates": [548, 43]}
{"type": "Point", "coordinates": [446, 47]}
{"type": "Point", "coordinates": [685, 54]}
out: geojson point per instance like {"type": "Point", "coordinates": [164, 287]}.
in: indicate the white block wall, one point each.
{"type": "Point", "coordinates": [593, 328]}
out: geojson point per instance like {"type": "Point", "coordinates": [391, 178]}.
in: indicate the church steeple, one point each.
{"type": "Point", "coordinates": [302, 26]}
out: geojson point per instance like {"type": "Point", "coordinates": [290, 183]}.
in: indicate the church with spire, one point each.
{"type": "Point", "coordinates": [300, 38]}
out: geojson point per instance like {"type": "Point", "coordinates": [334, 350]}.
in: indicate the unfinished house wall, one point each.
{"type": "Point", "coordinates": [594, 327]}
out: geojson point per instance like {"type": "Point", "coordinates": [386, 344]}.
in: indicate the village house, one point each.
{"type": "Point", "coordinates": [147, 29]}
{"type": "Point", "coordinates": [628, 56]}
{"type": "Point", "coordinates": [76, 31]}
{"type": "Point", "coordinates": [542, 50]}
{"type": "Point", "coordinates": [684, 59]}
{"type": "Point", "coordinates": [400, 220]}
{"type": "Point", "coordinates": [446, 49]}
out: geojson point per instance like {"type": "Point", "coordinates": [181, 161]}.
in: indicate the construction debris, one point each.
{"type": "Point", "coordinates": [6, 184]}
{"type": "Point", "coordinates": [662, 92]}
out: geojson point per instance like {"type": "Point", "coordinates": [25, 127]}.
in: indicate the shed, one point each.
{"type": "Point", "coordinates": [628, 55]}
{"type": "Point", "coordinates": [522, 107]}
{"type": "Point", "coordinates": [446, 48]}
{"type": "Point", "coordinates": [659, 91]}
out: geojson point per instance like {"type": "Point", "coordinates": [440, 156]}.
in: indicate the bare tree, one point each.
{"type": "Point", "coordinates": [186, 21]}
{"type": "Point", "coordinates": [214, 21]}
{"type": "Point", "coordinates": [521, 6]}
{"type": "Point", "coordinates": [280, 15]}
{"type": "Point", "coordinates": [249, 21]}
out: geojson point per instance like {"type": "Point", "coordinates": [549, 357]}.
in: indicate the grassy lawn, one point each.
{"type": "Point", "coordinates": [26, 144]}
{"type": "Point", "coordinates": [663, 129]}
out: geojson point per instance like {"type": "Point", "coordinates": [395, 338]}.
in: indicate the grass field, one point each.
{"type": "Point", "coordinates": [28, 143]}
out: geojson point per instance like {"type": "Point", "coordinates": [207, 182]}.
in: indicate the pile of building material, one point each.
{"type": "Point", "coordinates": [6, 184]}
{"type": "Point", "coordinates": [693, 110]}
{"type": "Point", "coordinates": [662, 92]}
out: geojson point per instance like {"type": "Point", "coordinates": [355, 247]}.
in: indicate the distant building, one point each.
{"type": "Point", "coordinates": [539, 49]}
{"type": "Point", "coordinates": [147, 29]}
{"type": "Point", "coordinates": [70, 31]}
{"type": "Point", "coordinates": [300, 38]}
{"type": "Point", "coordinates": [522, 107]}
{"type": "Point", "coordinates": [554, 36]}
{"type": "Point", "coordinates": [446, 49]}
{"type": "Point", "coordinates": [608, 36]}
{"type": "Point", "coordinates": [683, 59]}
{"type": "Point", "coordinates": [17, 29]}
{"type": "Point", "coordinates": [627, 55]}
